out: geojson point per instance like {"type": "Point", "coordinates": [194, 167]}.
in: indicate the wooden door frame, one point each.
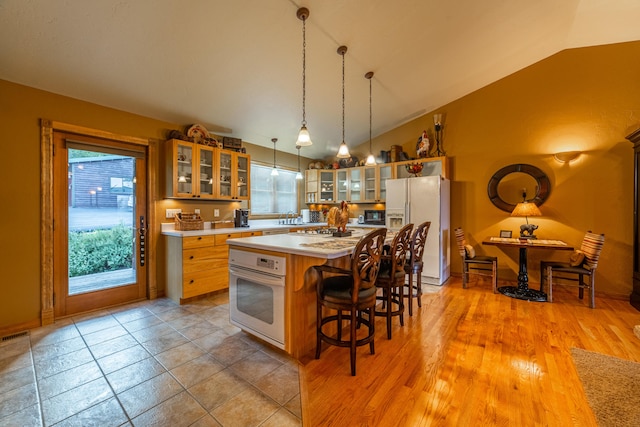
{"type": "Point", "coordinates": [48, 127]}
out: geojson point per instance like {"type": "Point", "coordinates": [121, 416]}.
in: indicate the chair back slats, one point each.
{"type": "Point", "coordinates": [592, 246]}
{"type": "Point", "coordinates": [400, 249]}
{"type": "Point", "coordinates": [365, 261]}
{"type": "Point", "coordinates": [418, 241]}
{"type": "Point", "coordinates": [461, 241]}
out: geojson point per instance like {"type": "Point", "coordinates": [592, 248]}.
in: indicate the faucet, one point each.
{"type": "Point", "coordinates": [289, 220]}
{"type": "Point", "coordinates": [280, 220]}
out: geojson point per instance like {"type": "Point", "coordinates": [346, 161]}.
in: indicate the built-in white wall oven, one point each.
{"type": "Point", "coordinates": [256, 294]}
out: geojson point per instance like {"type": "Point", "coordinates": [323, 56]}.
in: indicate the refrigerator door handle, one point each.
{"type": "Point", "coordinates": [407, 209]}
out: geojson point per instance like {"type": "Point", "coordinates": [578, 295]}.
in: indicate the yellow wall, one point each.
{"type": "Point", "coordinates": [586, 99]}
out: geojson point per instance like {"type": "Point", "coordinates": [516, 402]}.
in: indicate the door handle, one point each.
{"type": "Point", "coordinates": [142, 230]}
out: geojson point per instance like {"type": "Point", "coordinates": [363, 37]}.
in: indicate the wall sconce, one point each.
{"type": "Point", "coordinates": [437, 122]}
{"type": "Point", "coordinates": [567, 156]}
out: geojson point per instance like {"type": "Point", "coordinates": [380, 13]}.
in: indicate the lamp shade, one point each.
{"type": "Point", "coordinates": [525, 209]}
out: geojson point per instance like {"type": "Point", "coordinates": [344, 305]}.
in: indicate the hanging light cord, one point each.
{"type": "Point", "coordinates": [370, 115]}
{"type": "Point", "coordinates": [343, 96]}
{"type": "Point", "coordinates": [304, 70]}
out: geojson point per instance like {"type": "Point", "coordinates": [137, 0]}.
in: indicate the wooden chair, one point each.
{"type": "Point", "coordinates": [350, 290]}
{"type": "Point", "coordinates": [582, 263]}
{"type": "Point", "coordinates": [391, 278]}
{"type": "Point", "coordinates": [413, 266]}
{"type": "Point", "coordinates": [479, 265]}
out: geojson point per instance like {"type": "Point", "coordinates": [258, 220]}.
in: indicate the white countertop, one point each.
{"type": "Point", "coordinates": [168, 229]}
{"type": "Point", "coordinates": [314, 245]}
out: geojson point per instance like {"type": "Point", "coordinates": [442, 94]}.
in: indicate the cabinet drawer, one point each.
{"type": "Point", "coordinates": [197, 241]}
{"type": "Point", "coordinates": [251, 233]}
{"type": "Point", "coordinates": [196, 265]}
{"type": "Point", "coordinates": [210, 252]}
{"type": "Point", "coordinates": [221, 239]}
{"type": "Point", "coordinates": [201, 282]}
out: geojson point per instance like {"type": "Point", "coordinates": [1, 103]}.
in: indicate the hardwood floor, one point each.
{"type": "Point", "coordinates": [471, 357]}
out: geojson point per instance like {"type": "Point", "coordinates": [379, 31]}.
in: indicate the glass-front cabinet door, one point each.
{"type": "Point", "coordinates": [370, 184]}
{"type": "Point", "coordinates": [327, 186]}
{"type": "Point", "coordinates": [342, 184]}
{"type": "Point", "coordinates": [182, 154]}
{"type": "Point", "coordinates": [233, 183]}
{"type": "Point", "coordinates": [206, 172]}
{"type": "Point", "coordinates": [384, 173]}
{"type": "Point", "coordinates": [355, 185]}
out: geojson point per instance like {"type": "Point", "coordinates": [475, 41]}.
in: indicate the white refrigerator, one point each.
{"type": "Point", "coordinates": [419, 199]}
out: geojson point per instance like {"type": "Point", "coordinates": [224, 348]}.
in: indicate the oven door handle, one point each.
{"type": "Point", "coordinates": [255, 276]}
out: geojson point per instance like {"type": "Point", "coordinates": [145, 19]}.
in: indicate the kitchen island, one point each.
{"type": "Point", "coordinates": [299, 252]}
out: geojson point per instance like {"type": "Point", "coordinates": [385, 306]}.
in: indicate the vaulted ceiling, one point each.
{"type": "Point", "coordinates": [236, 66]}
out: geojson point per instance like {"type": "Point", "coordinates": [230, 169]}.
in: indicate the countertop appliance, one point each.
{"type": "Point", "coordinates": [241, 217]}
{"type": "Point", "coordinates": [256, 294]}
{"type": "Point", "coordinates": [374, 216]}
{"type": "Point", "coordinates": [419, 199]}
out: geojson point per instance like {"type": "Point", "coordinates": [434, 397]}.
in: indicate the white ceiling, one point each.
{"type": "Point", "coordinates": [235, 66]}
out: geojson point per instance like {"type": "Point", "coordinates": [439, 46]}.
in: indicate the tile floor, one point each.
{"type": "Point", "coordinates": [149, 363]}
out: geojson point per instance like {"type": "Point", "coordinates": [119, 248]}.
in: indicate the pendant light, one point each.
{"type": "Point", "coordinates": [343, 152]}
{"type": "Point", "coordinates": [304, 140]}
{"type": "Point", "coordinates": [274, 171]}
{"type": "Point", "coordinates": [371, 160]}
{"type": "Point", "coordinates": [299, 174]}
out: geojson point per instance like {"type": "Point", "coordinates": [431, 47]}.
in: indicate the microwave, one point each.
{"type": "Point", "coordinates": [375, 217]}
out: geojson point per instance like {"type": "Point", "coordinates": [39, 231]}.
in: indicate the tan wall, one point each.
{"type": "Point", "coordinates": [586, 99]}
{"type": "Point", "coordinates": [21, 109]}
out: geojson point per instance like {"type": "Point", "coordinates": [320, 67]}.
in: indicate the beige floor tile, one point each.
{"type": "Point", "coordinates": [198, 330]}
{"type": "Point", "coordinates": [148, 394]}
{"type": "Point", "coordinates": [255, 366]}
{"type": "Point", "coordinates": [104, 335]}
{"type": "Point", "coordinates": [54, 365]}
{"type": "Point", "coordinates": [26, 417]}
{"type": "Point", "coordinates": [185, 321]}
{"type": "Point", "coordinates": [295, 406]}
{"type": "Point", "coordinates": [206, 421]}
{"type": "Point", "coordinates": [152, 332]}
{"type": "Point", "coordinates": [282, 384]}
{"type": "Point", "coordinates": [249, 408]}
{"type": "Point", "coordinates": [172, 313]}
{"type": "Point", "coordinates": [177, 356]}
{"type": "Point", "coordinates": [16, 378]}
{"type": "Point", "coordinates": [69, 379]}
{"type": "Point", "coordinates": [123, 358]}
{"type": "Point", "coordinates": [196, 370]}
{"type": "Point", "coordinates": [90, 324]}
{"type": "Point", "coordinates": [218, 389]}
{"type": "Point", "coordinates": [164, 342]}
{"type": "Point", "coordinates": [134, 374]}
{"type": "Point", "coordinates": [76, 400]}
{"type": "Point", "coordinates": [58, 349]}
{"type": "Point", "coordinates": [211, 340]}
{"type": "Point", "coordinates": [112, 346]}
{"type": "Point", "coordinates": [282, 418]}
{"type": "Point", "coordinates": [125, 314]}
{"type": "Point", "coordinates": [51, 334]}
{"type": "Point", "coordinates": [18, 399]}
{"type": "Point", "coordinates": [231, 350]}
{"type": "Point", "coordinates": [142, 323]}
{"type": "Point", "coordinates": [108, 413]}
{"type": "Point", "coordinates": [179, 410]}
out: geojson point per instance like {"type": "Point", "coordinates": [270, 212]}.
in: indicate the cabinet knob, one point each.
{"type": "Point", "coordinates": [191, 281]}
{"type": "Point", "coordinates": [191, 257]}
{"type": "Point", "coordinates": [199, 237]}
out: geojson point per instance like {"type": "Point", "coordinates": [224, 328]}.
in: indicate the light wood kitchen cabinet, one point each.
{"type": "Point", "coordinates": [234, 175]}
{"type": "Point", "coordinates": [374, 181]}
{"type": "Point", "coordinates": [197, 265]}
{"type": "Point", "coordinates": [191, 170]}
{"type": "Point", "coordinates": [431, 166]}
{"type": "Point", "coordinates": [320, 186]}
{"type": "Point", "coordinates": [349, 183]}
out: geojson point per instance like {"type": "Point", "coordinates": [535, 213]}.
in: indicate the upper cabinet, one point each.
{"type": "Point", "coordinates": [200, 171]}
{"type": "Point", "coordinates": [349, 183]}
{"type": "Point", "coordinates": [375, 182]}
{"type": "Point", "coordinates": [320, 186]}
{"type": "Point", "coordinates": [234, 180]}
{"type": "Point", "coordinates": [431, 166]}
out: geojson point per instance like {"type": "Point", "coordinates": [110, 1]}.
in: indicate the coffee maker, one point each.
{"type": "Point", "coordinates": [241, 217]}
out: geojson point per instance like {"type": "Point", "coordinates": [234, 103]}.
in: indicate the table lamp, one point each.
{"type": "Point", "coordinates": [526, 209]}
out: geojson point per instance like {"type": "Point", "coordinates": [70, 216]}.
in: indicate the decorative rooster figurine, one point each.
{"type": "Point", "coordinates": [339, 217]}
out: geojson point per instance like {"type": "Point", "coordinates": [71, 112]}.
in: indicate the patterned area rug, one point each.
{"type": "Point", "coordinates": [611, 387]}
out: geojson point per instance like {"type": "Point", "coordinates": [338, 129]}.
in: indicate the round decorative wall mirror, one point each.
{"type": "Point", "coordinates": [506, 187]}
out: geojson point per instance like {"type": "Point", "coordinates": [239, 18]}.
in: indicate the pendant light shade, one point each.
{"type": "Point", "coordinates": [371, 160]}
{"type": "Point", "coordinates": [274, 171]}
{"type": "Point", "coordinates": [343, 152]}
{"type": "Point", "coordinates": [304, 140]}
{"type": "Point", "coordinates": [299, 174]}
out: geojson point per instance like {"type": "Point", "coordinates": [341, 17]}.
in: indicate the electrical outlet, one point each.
{"type": "Point", "coordinates": [171, 213]}
{"type": "Point", "coordinates": [216, 213]}
{"type": "Point", "coordinates": [196, 211]}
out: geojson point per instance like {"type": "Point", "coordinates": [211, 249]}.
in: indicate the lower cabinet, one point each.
{"type": "Point", "coordinates": [197, 265]}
